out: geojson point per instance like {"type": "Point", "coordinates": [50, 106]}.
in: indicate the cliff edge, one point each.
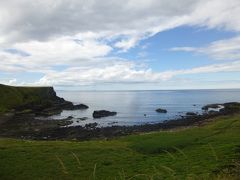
{"type": "Point", "coordinates": [39, 100]}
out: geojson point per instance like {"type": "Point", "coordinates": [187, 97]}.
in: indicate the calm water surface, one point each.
{"type": "Point", "coordinates": [132, 105]}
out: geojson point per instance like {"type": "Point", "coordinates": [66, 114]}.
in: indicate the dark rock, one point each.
{"type": "Point", "coordinates": [91, 125]}
{"type": "Point", "coordinates": [80, 106]}
{"type": "Point", "coordinates": [24, 126]}
{"type": "Point", "coordinates": [49, 112]}
{"type": "Point", "coordinates": [103, 113]}
{"type": "Point", "coordinates": [111, 123]}
{"type": "Point", "coordinates": [159, 110]}
{"type": "Point", "coordinates": [214, 106]}
{"type": "Point", "coordinates": [212, 112]}
{"type": "Point", "coordinates": [70, 106]}
{"type": "Point", "coordinates": [83, 118]}
{"type": "Point", "coordinates": [69, 117]}
{"type": "Point", "coordinates": [191, 114]}
{"type": "Point", "coordinates": [65, 105]}
{"type": "Point", "coordinates": [232, 107]}
{"type": "Point", "coordinates": [6, 117]}
{"type": "Point", "coordinates": [41, 101]}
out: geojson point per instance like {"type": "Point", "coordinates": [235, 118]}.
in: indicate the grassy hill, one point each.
{"type": "Point", "coordinates": [10, 96]}
{"type": "Point", "coordinates": [207, 152]}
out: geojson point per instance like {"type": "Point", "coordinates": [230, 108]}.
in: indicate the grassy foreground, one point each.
{"type": "Point", "coordinates": [206, 152]}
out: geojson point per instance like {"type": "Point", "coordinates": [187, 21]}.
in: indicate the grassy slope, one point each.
{"type": "Point", "coordinates": [12, 96]}
{"type": "Point", "coordinates": [195, 152]}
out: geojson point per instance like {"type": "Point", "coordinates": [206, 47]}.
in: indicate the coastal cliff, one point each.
{"type": "Point", "coordinates": [31, 99]}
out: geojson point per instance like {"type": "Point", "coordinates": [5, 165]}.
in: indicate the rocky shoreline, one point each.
{"type": "Point", "coordinates": [48, 108]}
{"type": "Point", "coordinates": [25, 126]}
{"type": "Point", "coordinates": [38, 101]}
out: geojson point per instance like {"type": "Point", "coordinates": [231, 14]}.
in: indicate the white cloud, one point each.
{"type": "Point", "coordinates": [221, 14]}
{"type": "Point", "coordinates": [129, 22]}
{"type": "Point", "coordinates": [42, 56]}
{"type": "Point", "coordinates": [64, 49]}
{"type": "Point", "coordinates": [224, 67]}
{"type": "Point", "coordinates": [126, 44]}
{"type": "Point", "coordinates": [42, 20]}
{"type": "Point", "coordinates": [227, 49]}
{"type": "Point", "coordinates": [185, 48]}
{"type": "Point", "coordinates": [81, 35]}
{"type": "Point", "coordinates": [126, 72]}
{"type": "Point", "coordinates": [8, 81]}
{"type": "Point", "coordinates": [119, 72]}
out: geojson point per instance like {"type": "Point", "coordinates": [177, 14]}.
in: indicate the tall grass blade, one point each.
{"type": "Point", "coordinates": [169, 154]}
{"type": "Point", "coordinates": [139, 175]}
{"type": "Point", "coordinates": [77, 159]}
{"type": "Point", "coordinates": [181, 152]}
{"type": "Point", "coordinates": [64, 169]}
{"type": "Point", "coordinates": [168, 169]}
{"type": "Point", "coordinates": [213, 152]}
{"type": "Point", "coordinates": [94, 171]}
{"type": "Point", "coordinates": [122, 175]}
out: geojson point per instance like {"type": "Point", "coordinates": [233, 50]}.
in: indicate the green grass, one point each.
{"type": "Point", "coordinates": [15, 96]}
{"type": "Point", "coordinates": [194, 153]}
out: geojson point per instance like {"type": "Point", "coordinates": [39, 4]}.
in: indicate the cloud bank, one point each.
{"type": "Point", "coordinates": [37, 36]}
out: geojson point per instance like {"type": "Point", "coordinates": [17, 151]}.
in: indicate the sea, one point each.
{"type": "Point", "coordinates": [139, 107]}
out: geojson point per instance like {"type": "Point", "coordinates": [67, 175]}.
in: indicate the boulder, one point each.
{"type": "Point", "coordinates": [159, 110]}
{"type": "Point", "coordinates": [213, 106]}
{"type": "Point", "coordinates": [191, 114]}
{"type": "Point", "coordinates": [71, 106]}
{"type": "Point", "coordinates": [91, 125]}
{"type": "Point", "coordinates": [212, 112]}
{"type": "Point", "coordinates": [103, 113]}
{"type": "Point", "coordinates": [111, 123]}
{"type": "Point", "coordinates": [80, 106]}
{"type": "Point", "coordinates": [69, 117]}
{"type": "Point", "coordinates": [231, 107]}
{"type": "Point", "coordinates": [83, 118]}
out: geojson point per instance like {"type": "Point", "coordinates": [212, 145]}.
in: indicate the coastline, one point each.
{"type": "Point", "coordinates": [25, 126]}
{"type": "Point", "coordinates": [21, 105]}
{"type": "Point", "coordinates": [176, 143]}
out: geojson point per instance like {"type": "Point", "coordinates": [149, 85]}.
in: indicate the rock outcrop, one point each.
{"type": "Point", "coordinates": [78, 106]}
{"type": "Point", "coordinates": [103, 113]}
{"type": "Point", "coordinates": [191, 114]}
{"type": "Point", "coordinates": [38, 100]}
{"type": "Point", "coordinates": [212, 106]}
{"type": "Point", "coordinates": [160, 110]}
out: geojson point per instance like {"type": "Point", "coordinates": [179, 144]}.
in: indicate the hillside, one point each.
{"type": "Point", "coordinates": [12, 97]}
{"type": "Point", "coordinates": [38, 100]}
{"type": "Point", "coordinates": [211, 151]}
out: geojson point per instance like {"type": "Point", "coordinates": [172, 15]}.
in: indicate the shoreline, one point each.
{"type": "Point", "coordinates": [26, 127]}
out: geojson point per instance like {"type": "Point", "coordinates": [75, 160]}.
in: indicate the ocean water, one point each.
{"type": "Point", "coordinates": [132, 105]}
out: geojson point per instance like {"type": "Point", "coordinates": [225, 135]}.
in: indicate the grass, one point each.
{"type": "Point", "coordinates": [207, 152]}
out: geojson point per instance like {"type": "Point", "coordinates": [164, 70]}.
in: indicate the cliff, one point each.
{"type": "Point", "coordinates": [37, 99]}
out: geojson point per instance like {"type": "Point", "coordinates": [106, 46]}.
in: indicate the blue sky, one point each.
{"type": "Point", "coordinates": [137, 45]}
{"type": "Point", "coordinates": [161, 58]}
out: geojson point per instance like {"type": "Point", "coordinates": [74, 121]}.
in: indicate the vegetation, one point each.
{"type": "Point", "coordinates": [205, 152]}
{"type": "Point", "coordinates": [19, 96]}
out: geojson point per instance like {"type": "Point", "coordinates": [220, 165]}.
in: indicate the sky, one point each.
{"type": "Point", "coordinates": [120, 45]}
